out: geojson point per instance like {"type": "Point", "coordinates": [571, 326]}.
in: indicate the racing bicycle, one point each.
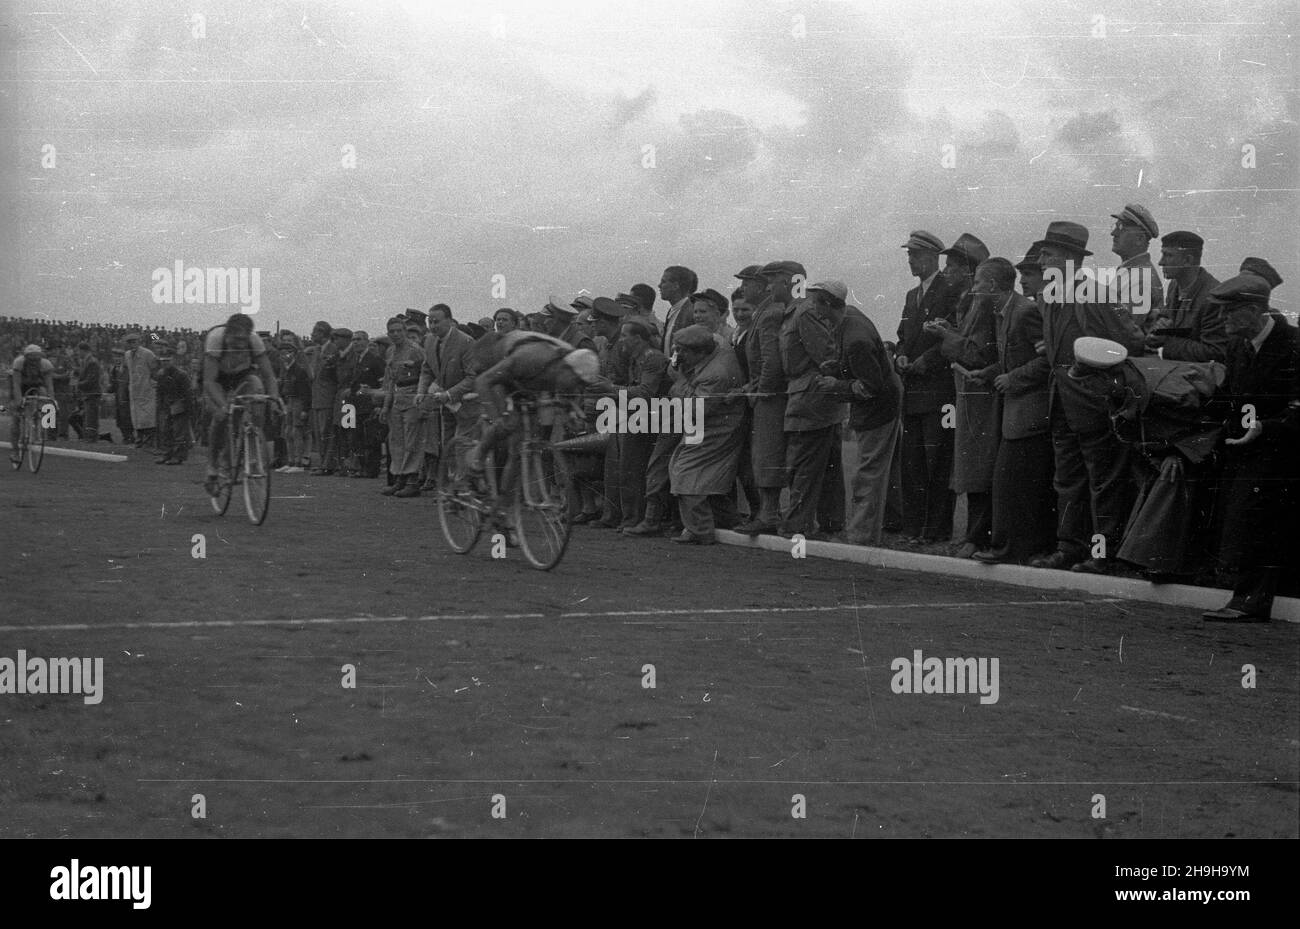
{"type": "Point", "coordinates": [244, 459]}
{"type": "Point", "coordinates": [31, 434]}
{"type": "Point", "coordinates": [527, 494]}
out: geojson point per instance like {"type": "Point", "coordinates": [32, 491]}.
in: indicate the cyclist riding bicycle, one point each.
{"type": "Point", "coordinates": [30, 371]}
{"type": "Point", "coordinates": [233, 358]}
{"type": "Point", "coordinates": [531, 364]}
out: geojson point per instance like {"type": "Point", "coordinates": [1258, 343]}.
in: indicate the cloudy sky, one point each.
{"type": "Point", "coordinates": [372, 156]}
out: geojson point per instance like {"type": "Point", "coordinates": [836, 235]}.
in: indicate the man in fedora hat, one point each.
{"type": "Point", "coordinates": [1190, 326]}
{"type": "Point", "coordinates": [962, 258]}
{"type": "Point", "coordinates": [1130, 238]}
{"type": "Point", "coordinates": [927, 447]}
{"type": "Point", "coordinates": [1093, 469]}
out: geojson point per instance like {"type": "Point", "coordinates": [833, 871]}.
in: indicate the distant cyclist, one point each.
{"type": "Point", "coordinates": [30, 371]}
{"type": "Point", "coordinates": [531, 363]}
{"type": "Point", "coordinates": [235, 362]}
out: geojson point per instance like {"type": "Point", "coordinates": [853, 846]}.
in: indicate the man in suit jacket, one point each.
{"type": "Point", "coordinates": [1259, 490]}
{"type": "Point", "coordinates": [1024, 502]}
{"type": "Point", "coordinates": [1190, 326]}
{"type": "Point", "coordinates": [676, 286]}
{"type": "Point", "coordinates": [448, 370]}
{"type": "Point", "coordinates": [927, 388]}
{"type": "Point", "coordinates": [90, 391]}
{"type": "Point", "coordinates": [863, 374]}
{"type": "Point", "coordinates": [1130, 238]}
{"type": "Point", "coordinates": [1093, 469]}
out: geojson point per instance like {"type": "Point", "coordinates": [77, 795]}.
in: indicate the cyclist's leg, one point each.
{"type": "Point", "coordinates": [252, 384]}
{"type": "Point", "coordinates": [15, 425]}
{"type": "Point", "coordinates": [216, 436]}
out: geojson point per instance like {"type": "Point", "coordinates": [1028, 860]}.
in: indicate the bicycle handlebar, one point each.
{"type": "Point", "coordinates": [242, 400]}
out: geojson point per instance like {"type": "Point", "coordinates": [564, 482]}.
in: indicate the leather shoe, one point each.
{"type": "Point", "coordinates": [689, 538]}
{"type": "Point", "coordinates": [756, 527]}
{"type": "Point", "coordinates": [584, 518]}
{"type": "Point", "coordinates": [644, 528]}
{"type": "Point", "coordinates": [412, 489]}
{"type": "Point", "coordinates": [966, 551]}
{"type": "Point", "coordinates": [990, 556]}
{"type": "Point", "coordinates": [1103, 566]}
{"type": "Point", "coordinates": [1229, 615]}
{"type": "Point", "coordinates": [1056, 561]}
{"type": "Point", "coordinates": [392, 489]}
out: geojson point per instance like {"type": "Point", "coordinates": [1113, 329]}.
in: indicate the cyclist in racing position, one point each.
{"type": "Point", "coordinates": [30, 371]}
{"type": "Point", "coordinates": [233, 358]}
{"type": "Point", "coordinates": [531, 363]}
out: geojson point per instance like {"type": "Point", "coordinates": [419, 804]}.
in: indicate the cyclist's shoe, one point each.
{"type": "Point", "coordinates": [15, 459]}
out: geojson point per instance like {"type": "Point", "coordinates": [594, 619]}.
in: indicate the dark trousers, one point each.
{"type": "Point", "coordinates": [745, 467]}
{"type": "Point", "coordinates": [632, 460]}
{"type": "Point", "coordinates": [174, 435]}
{"type": "Point", "coordinates": [831, 502]}
{"type": "Point", "coordinates": [1024, 500]}
{"type": "Point", "coordinates": [979, 517]}
{"type": "Point", "coordinates": [122, 413]}
{"type": "Point", "coordinates": [894, 495]}
{"type": "Point", "coordinates": [807, 458]}
{"type": "Point", "coordinates": [656, 477]}
{"type": "Point", "coordinates": [1259, 507]}
{"type": "Point", "coordinates": [1094, 488]}
{"type": "Point", "coordinates": [927, 469]}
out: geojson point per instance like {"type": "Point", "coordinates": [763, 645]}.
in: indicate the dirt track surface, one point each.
{"type": "Point", "coordinates": [477, 678]}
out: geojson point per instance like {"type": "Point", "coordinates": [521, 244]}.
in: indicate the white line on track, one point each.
{"type": "Point", "coordinates": [609, 614]}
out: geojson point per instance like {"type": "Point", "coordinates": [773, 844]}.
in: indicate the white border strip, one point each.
{"type": "Point", "coordinates": [74, 453]}
{"type": "Point", "coordinates": [1286, 609]}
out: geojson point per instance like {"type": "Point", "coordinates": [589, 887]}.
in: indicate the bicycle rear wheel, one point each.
{"type": "Point", "coordinates": [35, 443]}
{"type": "Point", "coordinates": [257, 476]}
{"type": "Point", "coordinates": [459, 511]}
{"type": "Point", "coordinates": [541, 507]}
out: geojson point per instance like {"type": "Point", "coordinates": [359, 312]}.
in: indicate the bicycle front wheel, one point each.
{"type": "Point", "coordinates": [459, 512]}
{"type": "Point", "coordinates": [35, 443]}
{"type": "Point", "coordinates": [541, 507]}
{"type": "Point", "coordinates": [19, 451]}
{"type": "Point", "coordinates": [257, 476]}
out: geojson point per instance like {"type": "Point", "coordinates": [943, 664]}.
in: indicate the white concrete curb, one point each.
{"type": "Point", "coordinates": [75, 453]}
{"type": "Point", "coordinates": [1286, 609]}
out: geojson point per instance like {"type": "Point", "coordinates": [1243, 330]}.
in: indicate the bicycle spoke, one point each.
{"type": "Point", "coordinates": [541, 505]}
{"type": "Point", "coordinates": [460, 512]}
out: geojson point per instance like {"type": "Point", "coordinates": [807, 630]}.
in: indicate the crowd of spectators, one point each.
{"type": "Point", "coordinates": [1083, 434]}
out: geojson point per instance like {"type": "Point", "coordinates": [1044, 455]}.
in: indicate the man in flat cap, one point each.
{"type": "Point", "coordinates": [863, 374]}
{"type": "Point", "coordinates": [1261, 268]}
{"type": "Point", "coordinates": [927, 447]}
{"type": "Point", "coordinates": [710, 310]}
{"type": "Point", "coordinates": [1261, 478]}
{"type": "Point", "coordinates": [1093, 469]}
{"type": "Point", "coordinates": [703, 473]}
{"type": "Point", "coordinates": [1130, 238]}
{"type": "Point", "coordinates": [676, 287]}
{"type": "Point", "coordinates": [813, 414]}
{"type": "Point", "coordinates": [420, 319]}
{"type": "Point", "coordinates": [1190, 326]}
{"type": "Point", "coordinates": [766, 387]}
{"type": "Point", "coordinates": [1031, 275]}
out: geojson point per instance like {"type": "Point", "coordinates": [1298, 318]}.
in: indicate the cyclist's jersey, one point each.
{"type": "Point", "coordinates": [32, 371]}
{"type": "Point", "coordinates": [530, 362]}
{"type": "Point", "coordinates": [232, 366]}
